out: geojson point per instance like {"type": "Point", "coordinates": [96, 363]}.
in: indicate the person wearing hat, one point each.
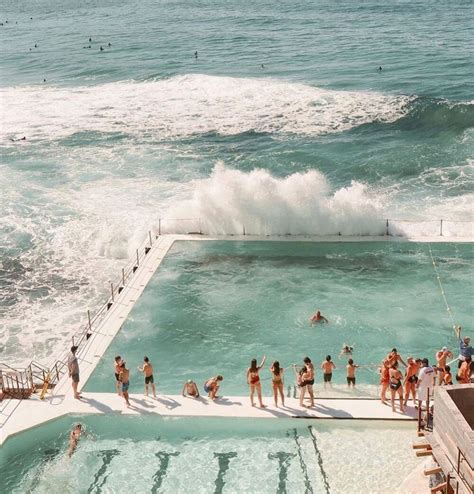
{"type": "Point", "coordinates": [465, 348]}
{"type": "Point", "coordinates": [441, 358]}
{"type": "Point", "coordinates": [190, 389]}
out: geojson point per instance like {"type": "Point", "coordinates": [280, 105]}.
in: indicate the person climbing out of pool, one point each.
{"type": "Point", "coordinates": [396, 386]}
{"type": "Point", "coordinates": [411, 377]}
{"type": "Point", "coordinates": [346, 350]}
{"type": "Point", "coordinates": [308, 382]}
{"type": "Point", "coordinates": [277, 382]}
{"type": "Point", "coordinates": [393, 357]}
{"type": "Point", "coordinates": [118, 384]}
{"type": "Point", "coordinates": [147, 369]}
{"type": "Point", "coordinates": [317, 318]}
{"type": "Point", "coordinates": [328, 366]}
{"type": "Point", "coordinates": [351, 368]}
{"type": "Point", "coordinates": [448, 377]}
{"type": "Point", "coordinates": [384, 380]}
{"type": "Point", "coordinates": [190, 389]}
{"type": "Point", "coordinates": [124, 375]}
{"type": "Point", "coordinates": [211, 386]}
{"type": "Point", "coordinates": [74, 437]}
{"type": "Point", "coordinates": [441, 358]}
{"type": "Point", "coordinates": [253, 380]}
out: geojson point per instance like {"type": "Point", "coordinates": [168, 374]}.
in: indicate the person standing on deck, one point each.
{"type": "Point", "coordinates": [125, 379]}
{"type": "Point", "coordinates": [73, 368]}
{"type": "Point", "coordinates": [411, 378]}
{"type": "Point", "coordinates": [309, 380]}
{"type": "Point", "coordinates": [394, 356]}
{"type": "Point", "coordinates": [441, 358]}
{"type": "Point", "coordinates": [118, 384]}
{"type": "Point", "coordinates": [147, 369]}
{"type": "Point", "coordinates": [426, 381]}
{"type": "Point", "coordinates": [277, 382]}
{"type": "Point", "coordinates": [465, 348]}
{"type": "Point", "coordinates": [253, 380]}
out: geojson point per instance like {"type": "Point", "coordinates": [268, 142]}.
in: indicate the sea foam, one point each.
{"type": "Point", "coordinates": [191, 104]}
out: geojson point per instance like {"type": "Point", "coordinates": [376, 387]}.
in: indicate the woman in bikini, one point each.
{"type": "Point", "coordinates": [253, 380]}
{"type": "Point", "coordinates": [384, 380]}
{"type": "Point", "coordinates": [411, 376]}
{"type": "Point", "coordinates": [277, 382]}
{"type": "Point", "coordinates": [396, 386]}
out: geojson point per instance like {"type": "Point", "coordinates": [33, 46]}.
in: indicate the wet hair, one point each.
{"type": "Point", "coordinates": [394, 350]}
{"type": "Point", "coordinates": [78, 426]}
{"type": "Point", "coordinates": [146, 359]}
{"type": "Point", "coordinates": [276, 368]}
{"type": "Point", "coordinates": [302, 371]}
{"type": "Point", "coordinates": [307, 360]}
{"type": "Point", "coordinates": [117, 358]}
{"type": "Point", "coordinates": [425, 362]}
{"type": "Point", "coordinates": [350, 361]}
{"type": "Point", "coordinates": [253, 364]}
{"type": "Point", "coordinates": [219, 378]}
{"type": "Point", "coordinates": [447, 369]}
{"type": "Point", "coordinates": [418, 360]}
{"type": "Point", "coordinates": [328, 358]}
{"type": "Point", "coordinates": [122, 364]}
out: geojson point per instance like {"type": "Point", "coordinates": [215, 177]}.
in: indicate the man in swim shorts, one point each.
{"type": "Point", "coordinates": [327, 366]}
{"type": "Point", "coordinates": [307, 382]}
{"type": "Point", "coordinates": [441, 358]}
{"type": "Point", "coordinates": [147, 369]}
{"type": "Point", "coordinates": [351, 378]}
{"type": "Point", "coordinates": [211, 386]}
{"type": "Point", "coordinates": [125, 379]}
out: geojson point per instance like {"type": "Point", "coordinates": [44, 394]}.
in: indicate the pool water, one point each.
{"type": "Point", "coordinates": [151, 454]}
{"type": "Point", "coordinates": [213, 306]}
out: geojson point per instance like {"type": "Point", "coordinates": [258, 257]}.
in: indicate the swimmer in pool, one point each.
{"type": "Point", "coordinates": [346, 350]}
{"type": "Point", "coordinates": [74, 439]}
{"type": "Point", "coordinates": [317, 318]}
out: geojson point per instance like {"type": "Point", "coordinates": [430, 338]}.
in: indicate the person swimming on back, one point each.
{"type": "Point", "coordinates": [318, 318]}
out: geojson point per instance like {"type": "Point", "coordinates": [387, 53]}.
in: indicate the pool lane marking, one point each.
{"type": "Point", "coordinates": [159, 476]}
{"type": "Point", "coordinates": [304, 469]}
{"type": "Point", "coordinates": [224, 461]}
{"type": "Point", "coordinates": [107, 457]}
{"type": "Point", "coordinates": [283, 464]}
{"type": "Point", "coordinates": [319, 458]}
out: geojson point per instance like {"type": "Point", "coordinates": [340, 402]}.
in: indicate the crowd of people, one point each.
{"type": "Point", "coordinates": [416, 382]}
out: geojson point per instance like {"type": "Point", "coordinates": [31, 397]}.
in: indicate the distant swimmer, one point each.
{"type": "Point", "coordinates": [90, 40]}
{"type": "Point", "coordinates": [380, 68]}
{"type": "Point", "coordinates": [36, 45]}
{"type": "Point", "coordinates": [101, 48]}
{"type": "Point", "coordinates": [20, 139]}
{"type": "Point", "coordinates": [262, 66]}
{"type": "Point", "coordinates": [44, 80]}
{"type": "Point", "coordinates": [109, 44]}
{"type": "Point", "coordinates": [74, 437]}
{"type": "Point", "coordinates": [346, 350]}
{"type": "Point", "coordinates": [195, 55]}
{"type": "Point", "coordinates": [318, 318]}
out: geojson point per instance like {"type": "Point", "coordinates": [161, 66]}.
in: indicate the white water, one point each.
{"type": "Point", "coordinates": [190, 104]}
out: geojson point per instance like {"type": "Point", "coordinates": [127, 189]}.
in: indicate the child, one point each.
{"type": "Point", "coordinates": [351, 379]}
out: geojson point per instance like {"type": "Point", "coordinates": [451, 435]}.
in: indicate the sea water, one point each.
{"type": "Point", "coordinates": [211, 307]}
{"type": "Point", "coordinates": [282, 120]}
{"type": "Point", "coordinates": [151, 454]}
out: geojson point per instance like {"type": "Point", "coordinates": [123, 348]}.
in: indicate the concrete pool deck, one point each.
{"type": "Point", "coordinates": [16, 416]}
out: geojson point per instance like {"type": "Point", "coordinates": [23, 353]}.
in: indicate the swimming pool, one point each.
{"type": "Point", "coordinates": [150, 454]}
{"type": "Point", "coordinates": [212, 306]}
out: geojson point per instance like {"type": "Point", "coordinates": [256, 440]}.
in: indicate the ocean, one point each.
{"type": "Point", "coordinates": [282, 122]}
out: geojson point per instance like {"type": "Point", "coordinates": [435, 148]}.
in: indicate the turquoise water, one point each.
{"type": "Point", "coordinates": [149, 454]}
{"type": "Point", "coordinates": [317, 140]}
{"type": "Point", "coordinates": [213, 306]}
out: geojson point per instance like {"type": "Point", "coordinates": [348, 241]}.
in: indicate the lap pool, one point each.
{"type": "Point", "coordinates": [150, 454]}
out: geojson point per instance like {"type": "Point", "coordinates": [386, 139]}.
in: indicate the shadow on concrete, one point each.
{"type": "Point", "coordinates": [102, 407]}
{"type": "Point", "coordinates": [169, 403]}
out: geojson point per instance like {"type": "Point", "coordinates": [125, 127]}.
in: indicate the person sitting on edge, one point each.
{"type": "Point", "coordinates": [441, 358]}
{"type": "Point", "coordinates": [190, 389]}
{"type": "Point", "coordinates": [118, 384]}
{"type": "Point", "coordinates": [147, 369]}
{"type": "Point", "coordinates": [328, 366]}
{"type": "Point", "coordinates": [74, 439]}
{"type": "Point", "coordinates": [394, 356]}
{"type": "Point", "coordinates": [448, 377]}
{"type": "Point", "coordinates": [211, 386]}
{"type": "Point", "coordinates": [317, 318]}
{"type": "Point", "coordinates": [125, 379]}
{"type": "Point", "coordinates": [351, 378]}
{"type": "Point", "coordinates": [464, 372]}
{"type": "Point", "coordinates": [253, 380]}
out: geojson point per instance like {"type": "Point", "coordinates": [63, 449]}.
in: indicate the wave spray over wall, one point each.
{"type": "Point", "coordinates": [230, 201]}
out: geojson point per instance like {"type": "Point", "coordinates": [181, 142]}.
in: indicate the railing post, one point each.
{"type": "Point", "coordinates": [159, 226]}
{"type": "Point", "coordinates": [149, 235]}
{"type": "Point", "coordinates": [386, 228]}
{"type": "Point", "coordinates": [441, 228]}
{"type": "Point", "coordinates": [138, 259]}
{"type": "Point", "coordinates": [200, 228]}
{"type": "Point", "coordinates": [112, 291]}
{"type": "Point", "coordinates": [243, 228]}
{"type": "Point", "coordinates": [89, 319]}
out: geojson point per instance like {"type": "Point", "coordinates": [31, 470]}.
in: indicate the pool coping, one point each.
{"type": "Point", "coordinates": [17, 416]}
